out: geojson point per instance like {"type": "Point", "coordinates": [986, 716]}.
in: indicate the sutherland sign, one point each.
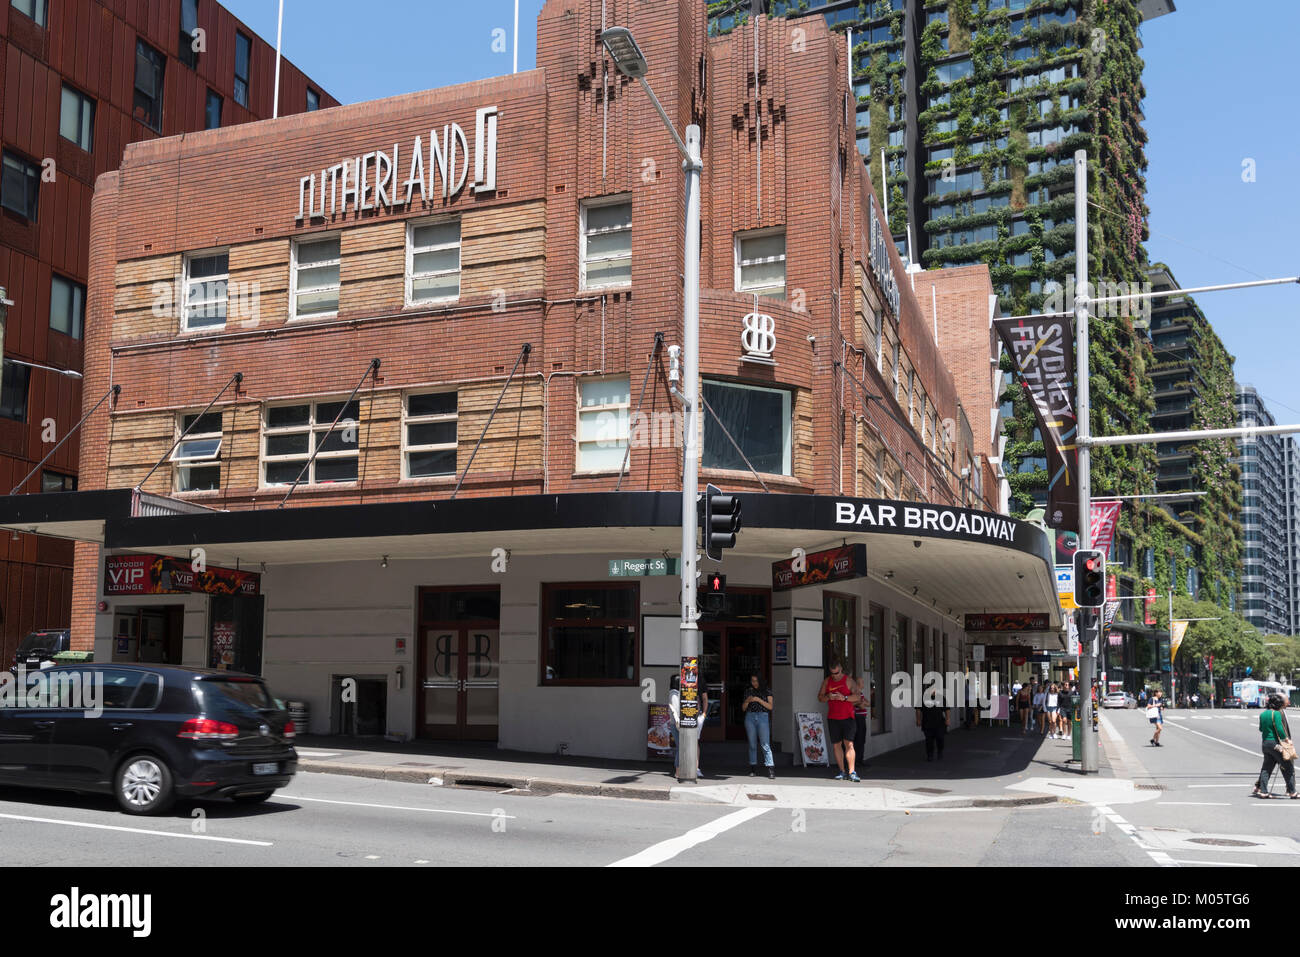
{"type": "Point", "coordinates": [374, 180]}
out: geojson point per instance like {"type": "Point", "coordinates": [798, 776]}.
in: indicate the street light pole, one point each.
{"type": "Point", "coordinates": [627, 56]}
{"type": "Point", "coordinates": [1089, 620]}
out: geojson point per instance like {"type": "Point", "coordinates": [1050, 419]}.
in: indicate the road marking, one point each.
{"type": "Point", "coordinates": [135, 830]}
{"type": "Point", "coordinates": [667, 850]}
{"type": "Point", "coordinates": [1214, 785]}
{"type": "Point", "coordinates": [318, 754]}
{"type": "Point", "coordinates": [1220, 863]}
{"type": "Point", "coordinates": [1221, 741]}
{"type": "Point", "coordinates": [1193, 804]}
{"type": "Point", "coordinates": [1157, 855]}
{"type": "Point", "coordinates": [396, 807]}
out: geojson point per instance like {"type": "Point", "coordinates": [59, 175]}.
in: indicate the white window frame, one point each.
{"type": "Point", "coordinates": [312, 428]}
{"type": "Point", "coordinates": [741, 263]}
{"type": "Point", "coordinates": [787, 421]}
{"type": "Point", "coordinates": [293, 275]}
{"type": "Point", "coordinates": [408, 419]}
{"type": "Point", "coordinates": [185, 288]}
{"type": "Point", "coordinates": [623, 199]}
{"type": "Point", "coordinates": [183, 459]}
{"type": "Point", "coordinates": [613, 407]}
{"type": "Point", "coordinates": [411, 252]}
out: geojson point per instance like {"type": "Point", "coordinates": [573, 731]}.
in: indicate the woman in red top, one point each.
{"type": "Point", "coordinates": [839, 692]}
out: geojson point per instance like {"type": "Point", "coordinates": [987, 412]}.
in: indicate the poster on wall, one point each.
{"type": "Point", "coordinates": [782, 656]}
{"type": "Point", "coordinates": [812, 739]}
{"type": "Point", "coordinates": [222, 654]}
{"type": "Point", "coordinates": [659, 733]}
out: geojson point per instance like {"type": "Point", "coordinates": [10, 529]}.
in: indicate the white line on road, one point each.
{"type": "Point", "coordinates": [1160, 857]}
{"type": "Point", "coordinates": [1193, 804]}
{"type": "Point", "coordinates": [1214, 785]}
{"type": "Point", "coordinates": [1221, 741]}
{"type": "Point", "coordinates": [1219, 863]}
{"type": "Point", "coordinates": [318, 754]}
{"type": "Point", "coordinates": [395, 807]}
{"type": "Point", "coordinates": [667, 850]}
{"type": "Point", "coordinates": [135, 830]}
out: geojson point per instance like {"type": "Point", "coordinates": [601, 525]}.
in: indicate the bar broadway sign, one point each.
{"type": "Point", "coordinates": [374, 180]}
{"type": "Point", "coordinates": [960, 522]}
{"type": "Point", "coordinates": [1043, 354]}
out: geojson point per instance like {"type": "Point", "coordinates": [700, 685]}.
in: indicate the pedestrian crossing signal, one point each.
{"type": "Point", "coordinates": [715, 584]}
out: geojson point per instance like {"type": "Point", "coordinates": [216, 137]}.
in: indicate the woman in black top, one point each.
{"type": "Point", "coordinates": [758, 723]}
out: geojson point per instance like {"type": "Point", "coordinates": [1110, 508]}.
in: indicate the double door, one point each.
{"type": "Point", "coordinates": [731, 653]}
{"type": "Point", "coordinates": [459, 648]}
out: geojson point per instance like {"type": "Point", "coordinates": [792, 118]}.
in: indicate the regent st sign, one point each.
{"type": "Point", "coordinates": [439, 166]}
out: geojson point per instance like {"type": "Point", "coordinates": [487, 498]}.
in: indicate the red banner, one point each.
{"type": "Point", "coordinates": [1008, 621]}
{"type": "Point", "coordinates": [164, 575]}
{"type": "Point", "coordinates": [1150, 616]}
{"type": "Point", "coordinates": [1104, 516]}
{"type": "Point", "coordinates": [834, 564]}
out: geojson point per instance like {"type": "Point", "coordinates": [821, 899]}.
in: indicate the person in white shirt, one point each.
{"type": "Point", "coordinates": [1040, 700]}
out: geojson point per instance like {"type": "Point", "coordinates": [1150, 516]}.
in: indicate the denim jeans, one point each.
{"type": "Point", "coordinates": [758, 728]}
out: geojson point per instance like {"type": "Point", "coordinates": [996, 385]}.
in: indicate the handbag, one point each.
{"type": "Point", "coordinates": [1153, 711]}
{"type": "Point", "coordinates": [1286, 750]}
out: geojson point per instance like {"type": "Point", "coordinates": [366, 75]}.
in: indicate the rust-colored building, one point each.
{"type": "Point", "coordinates": [474, 527]}
{"type": "Point", "coordinates": [79, 80]}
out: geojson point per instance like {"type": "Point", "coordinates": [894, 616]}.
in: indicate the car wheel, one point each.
{"type": "Point", "coordinates": [143, 785]}
{"type": "Point", "coordinates": [257, 798]}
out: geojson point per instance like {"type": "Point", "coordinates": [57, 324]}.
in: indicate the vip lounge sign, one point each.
{"type": "Point", "coordinates": [1043, 354]}
{"type": "Point", "coordinates": [1008, 621]}
{"type": "Point", "coordinates": [834, 564]}
{"type": "Point", "coordinates": [374, 180]}
{"type": "Point", "coordinates": [164, 575]}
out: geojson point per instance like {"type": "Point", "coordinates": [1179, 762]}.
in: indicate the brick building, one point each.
{"type": "Point", "coordinates": [80, 80]}
{"type": "Point", "coordinates": [474, 525]}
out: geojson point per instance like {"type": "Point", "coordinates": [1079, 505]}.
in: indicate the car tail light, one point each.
{"type": "Point", "coordinates": [208, 729]}
{"type": "Point", "coordinates": [289, 730]}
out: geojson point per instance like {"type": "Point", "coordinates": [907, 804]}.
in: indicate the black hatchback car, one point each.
{"type": "Point", "coordinates": [148, 734]}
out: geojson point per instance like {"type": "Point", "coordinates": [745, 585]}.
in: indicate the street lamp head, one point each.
{"type": "Point", "coordinates": [626, 54]}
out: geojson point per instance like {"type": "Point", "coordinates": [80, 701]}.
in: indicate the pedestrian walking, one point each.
{"type": "Point", "coordinates": [1039, 706]}
{"type": "Point", "coordinates": [837, 691]}
{"type": "Point", "coordinates": [933, 722]}
{"type": "Point", "coordinates": [1156, 715]}
{"type": "Point", "coordinates": [1278, 750]}
{"type": "Point", "coordinates": [1024, 703]}
{"type": "Point", "coordinates": [1051, 707]}
{"type": "Point", "coordinates": [861, 711]}
{"type": "Point", "coordinates": [1142, 697]}
{"type": "Point", "coordinates": [757, 706]}
{"type": "Point", "coordinates": [1065, 718]}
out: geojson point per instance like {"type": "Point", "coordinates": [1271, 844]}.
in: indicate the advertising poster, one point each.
{"type": "Point", "coordinates": [1150, 614]}
{"type": "Point", "coordinates": [782, 651]}
{"type": "Point", "coordinates": [812, 739]}
{"type": "Point", "coordinates": [659, 733]}
{"type": "Point", "coordinates": [165, 575]}
{"type": "Point", "coordinates": [835, 564]}
{"type": "Point", "coordinates": [690, 693]}
{"type": "Point", "coordinates": [223, 645]}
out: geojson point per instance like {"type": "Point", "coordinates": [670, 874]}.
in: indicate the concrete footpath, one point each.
{"type": "Point", "coordinates": [981, 767]}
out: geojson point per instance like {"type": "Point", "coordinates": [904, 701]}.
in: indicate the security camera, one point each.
{"type": "Point", "coordinates": [916, 543]}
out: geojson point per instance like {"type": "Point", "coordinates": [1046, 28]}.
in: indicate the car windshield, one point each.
{"type": "Point", "coordinates": [225, 694]}
{"type": "Point", "coordinates": [39, 641]}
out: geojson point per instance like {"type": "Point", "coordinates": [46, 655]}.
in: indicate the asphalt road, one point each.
{"type": "Point", "coordinates": [1201, 778]}
{"type": "Point", "coordinates": [330, 820]}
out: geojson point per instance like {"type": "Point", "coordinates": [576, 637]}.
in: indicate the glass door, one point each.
{"type": "Point", "coordinates": [480, 655]}
{"type": "Point", "coordinates": [440, 680]}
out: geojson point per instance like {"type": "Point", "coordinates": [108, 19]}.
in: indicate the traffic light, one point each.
{"type": "Point", "coordinates": [1090, 578]}
{"type": "Point", "coordinates": [715, 593]}
{"type": "Point", "coordinates": [715, 584]}
{"type": "Point", "coordinates": [721, 521]}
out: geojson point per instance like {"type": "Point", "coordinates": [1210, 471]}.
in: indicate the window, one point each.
{"type": "Point", "coordinates": [760, 263]}
{"type": "Point", "coordinates": [20, 185]}
{"type": "Point", "coordinates": [13, 394]}
{"type": "Point", "coordinates": [291, 432]}
{"type": "Point", "coordinates": [57, 482]}
{"type": "Point", "coordinates": [197, 457]}
{"type": "Point", "coordinates": [35, 9]}
{"type": "Point", "coordinates": [243, 53]}
{"type": "Point", "coordinates": [313, 100]}
{"type": "Point", "coordinates": [212, 112]}
{"type": "Point", "coordinates": [603, 410]}
{"type": "Point", "coordinates": [433, 262]}
{"type": "Point", "coordinates": [206, 275]}
{"type": "Point", "coordinates": [149, 69]}
{"type": "Point", "coordinates": [429, 435]}
{"type": "Point", "coordinates": [757, 418]}
{"type": "Point", "coordinates": [590, 633]}
{"type": "Point", "coordinates": [606, 245]}
{"type": "Point", "coordinates": [77, 119]}
{"type": "Point", "coordinates": [315, 278]}
{"type": "Point", "coordinates": [185, 51]}
{"type": "Point", "coordinates": [67, 306]}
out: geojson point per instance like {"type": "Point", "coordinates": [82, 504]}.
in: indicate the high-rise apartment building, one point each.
{"type": "Point", "coordinates": [1293, 534]}
{"type": "Point", "coordinates": [1266, 578]}
{"type": "Point", "coordinates": [81, 79]}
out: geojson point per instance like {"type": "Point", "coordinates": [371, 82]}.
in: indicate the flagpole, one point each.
{"type": "Point", "coordinates": [279, 33]}
{"type": "Point", "coordinates": [516, 35]}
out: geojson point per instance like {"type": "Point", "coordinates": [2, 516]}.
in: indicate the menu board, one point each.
{"type": "Point", "coordinates": [659, 733]}
{"type": "Point", "coordinates": [812, 739]}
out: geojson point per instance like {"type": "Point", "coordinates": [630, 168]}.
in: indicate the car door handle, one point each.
{"type": "Point", "coordinates": [42, 725]}
{"type": "Point", "coordinates": [122, 725]}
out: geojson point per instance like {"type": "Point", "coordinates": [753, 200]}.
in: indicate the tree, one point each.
{"type": "Point", "coordinates": [1282, 655]}
{"type": "Point", "coordinates": [1233, 641]}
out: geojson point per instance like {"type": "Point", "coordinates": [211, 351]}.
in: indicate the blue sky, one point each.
{"type": "Point", "coordinates": [1219, 86]}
